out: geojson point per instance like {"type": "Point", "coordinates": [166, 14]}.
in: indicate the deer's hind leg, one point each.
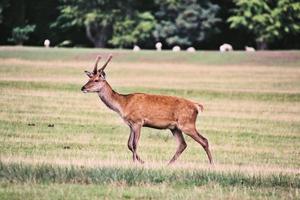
{"type": "Point", "coordinates": [181, 144]}
{"type": "Point", "coordinates": [193, 133]}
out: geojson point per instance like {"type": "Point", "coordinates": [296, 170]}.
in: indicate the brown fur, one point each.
{"type": "Point", "coordinates": [148, 110]}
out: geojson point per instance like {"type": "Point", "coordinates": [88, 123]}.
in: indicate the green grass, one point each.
{"type": "Point", "coordinates": [204, 94]}
{"type": "Point", "coordinates": [98, 182]}
{"type": "Point", "coordinates": [19, 173]}
{"type": "Point", "coordinates": [290, 58]}
{"type": "Point", "coordinates": [160, 191]}
{"type": "Point", "coordinates": [251, 118]}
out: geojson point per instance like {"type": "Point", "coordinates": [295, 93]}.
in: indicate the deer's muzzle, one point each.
{"type": "Point", "coordinates": [83, 89]}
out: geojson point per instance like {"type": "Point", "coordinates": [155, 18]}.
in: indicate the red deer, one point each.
{"type": "Point", "coordinates": [147, 110]}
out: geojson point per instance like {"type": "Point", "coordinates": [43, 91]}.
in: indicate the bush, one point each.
{"type": "Point", "coordinates": [21, 34]}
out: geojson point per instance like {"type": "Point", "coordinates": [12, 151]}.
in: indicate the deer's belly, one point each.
{"type": "Point", "coordinates": [160, 124]}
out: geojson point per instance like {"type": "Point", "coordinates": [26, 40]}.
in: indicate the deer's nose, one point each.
{"type": "Point", "coordinates": [83, 88]}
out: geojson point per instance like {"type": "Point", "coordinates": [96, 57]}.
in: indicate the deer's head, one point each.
{"type": "Point", "coordinates": [96, 78]}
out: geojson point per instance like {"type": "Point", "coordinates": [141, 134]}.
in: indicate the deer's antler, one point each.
{"type": "Point", "coordinates": [96, 64]}
{"type": "Point", "coordinates": [103, 67]}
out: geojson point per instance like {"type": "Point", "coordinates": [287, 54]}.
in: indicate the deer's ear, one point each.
{"type": "Point", "coordinates": [89, 74]}
{"type": "Point", "coordinates": [102, 75]}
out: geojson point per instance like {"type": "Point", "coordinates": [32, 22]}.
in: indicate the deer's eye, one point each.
{"type": "Point", "coordinates": [96, 80]}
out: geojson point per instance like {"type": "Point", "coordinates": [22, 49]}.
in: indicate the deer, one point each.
{"type": "Point", "coordinates": [148, 110]}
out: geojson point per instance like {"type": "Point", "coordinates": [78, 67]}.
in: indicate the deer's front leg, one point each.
{"type": "Point", "coordinates": [132, 143]}
{"type": "Point", "coordinates": [181, 144]}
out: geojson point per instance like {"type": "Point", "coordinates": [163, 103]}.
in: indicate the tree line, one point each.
{"type": "Point", "coordinates": [203, 24]}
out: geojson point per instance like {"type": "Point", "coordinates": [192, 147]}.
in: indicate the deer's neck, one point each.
{"type": "Point", "coordinates": [111, 99]}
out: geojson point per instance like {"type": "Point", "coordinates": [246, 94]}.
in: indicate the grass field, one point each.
{"type": "Point", "coordinates": [251, 118]}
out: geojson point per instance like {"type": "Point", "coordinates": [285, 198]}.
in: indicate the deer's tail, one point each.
{"type": "Point", "coordinates": [200, 107]}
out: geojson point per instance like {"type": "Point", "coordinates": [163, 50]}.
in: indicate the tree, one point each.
{"type": "Point", "coordinates": [185, 22]}
{"type": "Point", "coordinates": [77, 13]}
{"type": "Point", "coordinates": [21, 34]}
{"type": "Point", "coordinates": [18, 13]}
{"type": "Point", "coordinates": [103, 20]}
{"type": "Point", "coordinates": [130, 31]}
{"type": "Point", "coordinates": [267, 20]}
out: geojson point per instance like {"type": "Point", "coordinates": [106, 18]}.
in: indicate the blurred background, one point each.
{"type": "Point", "coordinates": [202, 24]}
{"type": "Point", "coordinates": [58, 143]}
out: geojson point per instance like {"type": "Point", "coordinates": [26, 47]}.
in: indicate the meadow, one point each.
{"type": "Point", "coordinates": [58, 143]}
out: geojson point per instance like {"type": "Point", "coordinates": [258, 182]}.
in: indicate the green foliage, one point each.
{"type": "Point", "coordinates": [267, 20]}
{"type": "Point", "coordinates": [21, 34]}
{"type": "Point", "coordinates": [185, 22]}
{"type": "Point", "coordinates": [96, 16]}
{"type": "Point", "coordinates": [135, 30]}
{"type": "Point", "coordinates": [287, 17]}
{"type": "Point", "coordinates": [122, 24]}
{"type": "Point", "coordinates": [105, 22]}
{"type": "Point", "coordinates": [68, 18]}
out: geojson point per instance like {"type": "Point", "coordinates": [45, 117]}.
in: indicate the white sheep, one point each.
{"type": "Point", "coordinates": [47, 43]}
{"type": "Point", "coordinates": [250, 49]}
{"type": "Point", "coordinates": [158, 46]}
{"type": "Point", "coordinates": [176, 48]}
{"type": "Point", "coordinates": [226, 47]}
{"type": "Point", "coordinates": [191, 49]}
{"type": "Point", "coordinates": [136, 48]}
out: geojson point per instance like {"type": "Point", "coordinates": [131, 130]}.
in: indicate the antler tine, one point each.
{"type": "Point", "coordinates": [96, 64]}
{"type": "Point", "coordinates": [103, 67]}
